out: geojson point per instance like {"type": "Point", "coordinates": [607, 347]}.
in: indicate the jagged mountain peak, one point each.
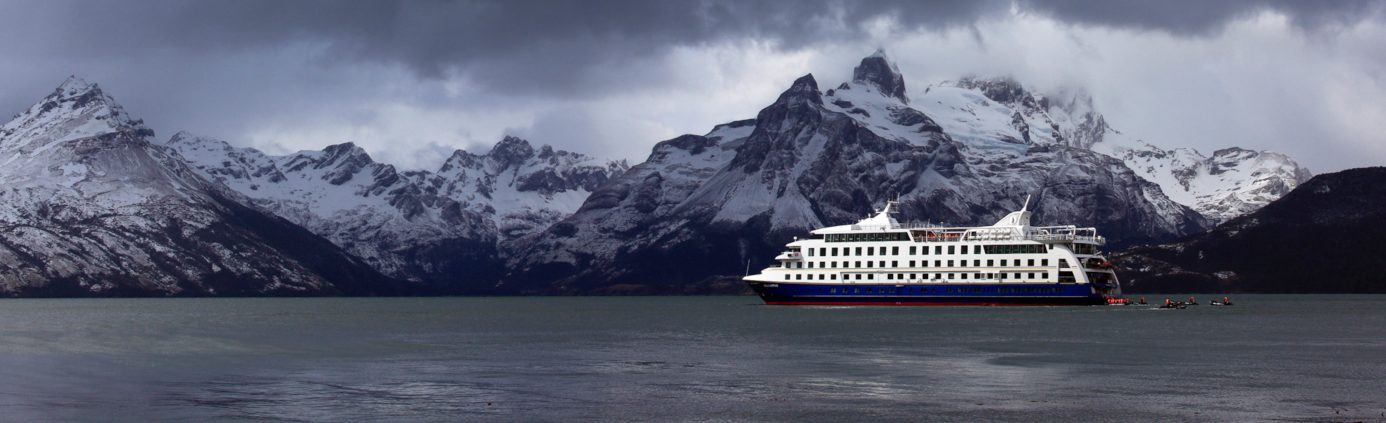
{"type": "Point", "coordinates": [346, 159]}
{"type": "Point", "coordinates": [508, 153]}
{"type": "Point", "coordinates": [76, 94]}
{"type": "Point", "coordinates": [459, 159]}
{"type": "Point", "coordinates": [182, 136]}
{"type": "Point", "coordinates": [185, 137]}
{"type": "Point", "coordinates": [76, 109]}
{"type": "Point", "coordinates": [511, 149]}
{"type": "Point", "coordinates": [346, 149]}
{"type": "Point", "coordinates": [879, 71]}
{"type": "Point", "coordinates": [75, 84]}
{"type": "Point", "coordinates": [343, 160]}
{"type": "Point", "coordinates": [332, 155]}
{"type": "Point", "coordinates": [803, 90]}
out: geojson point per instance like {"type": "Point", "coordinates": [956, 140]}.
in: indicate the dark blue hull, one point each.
{"type": "Point", "coordinates": [1001, 294]}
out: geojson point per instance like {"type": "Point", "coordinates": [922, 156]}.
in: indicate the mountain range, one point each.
{"type": "Point", "coordinates": [439, 229]}
{"type": "Point", "coordinates": [90, 207]}
{"type": "Point", "coordinates": [81, 177]}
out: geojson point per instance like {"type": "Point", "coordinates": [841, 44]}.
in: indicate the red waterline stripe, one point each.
{"type": "Point", "coordinates": [868, 303]}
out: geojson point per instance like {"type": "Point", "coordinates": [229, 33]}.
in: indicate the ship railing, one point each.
{"type": "Point", "coordinates": [1100, 240]}
{"type": "Point", "coordinates": [939, 234]}
{"type": "Point", "coordinates": [922, 225]}
{"type": "Point", "coordinates": [991, 234]}
{"type": "Point", "coordinates": [1064, 233]}
{"type": "Point", "coordinates": [896, 226]}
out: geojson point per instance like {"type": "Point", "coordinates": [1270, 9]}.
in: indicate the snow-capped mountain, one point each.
{"type": "Point", "coordinates": [88, 206]}
{"type": "Point", "coordinates": [702, 206]}
{"type": "Point", "coordinates": [1230, 182]}
{"type": "Point", "coordinates": [440, 227]}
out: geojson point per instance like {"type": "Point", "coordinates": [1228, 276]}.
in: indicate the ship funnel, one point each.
{"type": "Point", "coordinates": [882, 218]}
{"type": "Point", "coordinates": [1019, 218]}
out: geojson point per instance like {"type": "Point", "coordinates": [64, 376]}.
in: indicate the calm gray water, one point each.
{"type": "Point", "coordinates": [1290, 358]}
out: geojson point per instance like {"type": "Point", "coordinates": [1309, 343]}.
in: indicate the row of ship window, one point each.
{"type": "Point", "coordinates": [938, 249]}
{"type": "Point", "coordinates": [947, 290]}
{"type": "Point", "coordinates": [1063, 263]}
{"type": "Point", "coordinates": [918, 276]}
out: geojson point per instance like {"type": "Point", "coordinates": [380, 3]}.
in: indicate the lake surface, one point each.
{"type": "Point", "coordinates": [1287, 358]}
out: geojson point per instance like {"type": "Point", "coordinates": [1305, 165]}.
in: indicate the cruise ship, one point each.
{"type": "Point", "coordinates": [879, 261]}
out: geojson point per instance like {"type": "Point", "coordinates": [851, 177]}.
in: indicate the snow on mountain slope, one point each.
{"type": "Point", "coordinates": [523, 190]}
{"type": "Point", "coordinates": [1229, 183]}
{"type": "Point", "coordinates": [89, 207]}
{"type": "Point", "coordinates": [423, 226]}
{"type": "Point", "coordinates": [700, 207]}
{"type": "Point", "coordinates": [367, 208]}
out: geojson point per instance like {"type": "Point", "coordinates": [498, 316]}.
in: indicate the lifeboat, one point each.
{"type": "Point", "coordinates": [1173, 304]}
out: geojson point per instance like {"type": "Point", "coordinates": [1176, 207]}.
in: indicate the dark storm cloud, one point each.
{"type": "Point", "coordinates": [1198, 17]}
{"type": "Point", "coordinates": [398, 75]}
{"type": "Point", "coordinates": [515, 46]}
{"type": "Point", "coordinates": [558, 48]}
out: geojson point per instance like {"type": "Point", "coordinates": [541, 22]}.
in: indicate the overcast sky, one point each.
{"type": "Point", "coordinates": [413, 81]}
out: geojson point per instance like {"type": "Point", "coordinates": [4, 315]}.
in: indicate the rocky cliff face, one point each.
{"type": "Point", "coordinates": [878, 72]}
{"type": "Point", "coordinates": [1324, 236]}
{"type": "Point", "coordinates": [705, 206]}
{"type": "Point", "coordinates": [439, 228]}
{"type": "Point", "coordinates": [89, 207]}
{"type": "Point", "coordinates": [1226, 184]}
